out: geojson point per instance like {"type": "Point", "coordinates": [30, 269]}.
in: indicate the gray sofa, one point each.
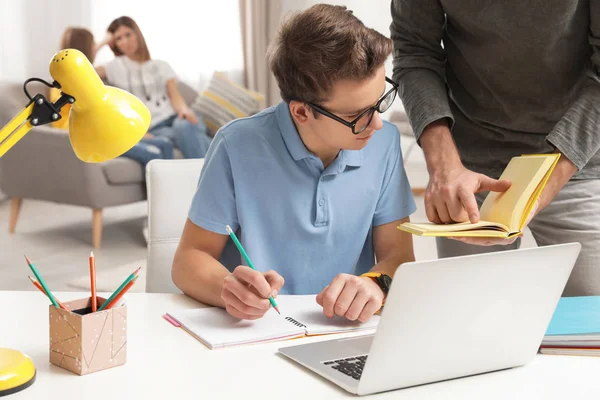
{"type": "Point", "coordinates": [42, 166]}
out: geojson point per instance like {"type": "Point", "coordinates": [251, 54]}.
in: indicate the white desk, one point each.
{"type": "Point", "coordinates": [163, 360]}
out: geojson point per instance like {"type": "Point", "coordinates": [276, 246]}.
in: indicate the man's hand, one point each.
{"type": "Point", "coordinates": [187, 113]}
{"type": "Point", "coordinates": [350, 296]}
{"type": "Point", "coordinates": [498, 241]}
{"type": "Point", "coordinates": [450, 194]}
{"type": "Point", "coordinates": [563, 171]}
{"type": "Point", "coordinates": [246, 292]}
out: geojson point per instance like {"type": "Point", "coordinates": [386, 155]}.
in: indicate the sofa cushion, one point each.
{"type": "Point", "coordinates": [223, 101]}
{"type": "Point", "coordinates": [123, 170]}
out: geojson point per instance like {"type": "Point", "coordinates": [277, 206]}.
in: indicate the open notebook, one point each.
{"type": "Point", "coordinates": [300, 316]}
{"type": "Point", "coordinates": [502, 215]}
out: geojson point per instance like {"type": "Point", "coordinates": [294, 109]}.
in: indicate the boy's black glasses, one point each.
{"type": "Point", "coordinates": [360, 123]}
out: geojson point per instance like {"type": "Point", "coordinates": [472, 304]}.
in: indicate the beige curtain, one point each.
{"type": "Point", "coordinates": [259, 23]}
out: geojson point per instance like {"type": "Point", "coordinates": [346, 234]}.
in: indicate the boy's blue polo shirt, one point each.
{"type": "Point", "coordinates": [306, 222]}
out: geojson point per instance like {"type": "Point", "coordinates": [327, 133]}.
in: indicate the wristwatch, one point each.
{"type": "Point", "coordinates": [383, 280]}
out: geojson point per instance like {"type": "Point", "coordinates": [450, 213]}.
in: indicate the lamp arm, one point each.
{"type": "Point", "coordinates": [12, 132]}
{"type": "Point", "coordinates": [38, 111]}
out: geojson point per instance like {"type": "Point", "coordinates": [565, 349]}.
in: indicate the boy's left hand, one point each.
{"type": "Point", "coordinates": [351, 296]}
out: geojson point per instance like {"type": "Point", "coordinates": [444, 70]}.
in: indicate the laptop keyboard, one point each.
{"type": "Point", "coordinates": [353, 366]}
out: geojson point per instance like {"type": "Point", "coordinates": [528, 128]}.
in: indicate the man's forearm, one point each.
{"type": "Point", "coordinates": [561, 174]}
{"type": "Point", "coordinates": [199, 276]}
{"type": "Point", "coordinates": [438, 146]}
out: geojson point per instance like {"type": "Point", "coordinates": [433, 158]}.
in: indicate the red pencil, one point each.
{"type": "Point", "coordinates": [37, 285]}
{"type": "Point", "coordinates": [121, 293]}
{"type": "Point", "coordinates": [93, 281]}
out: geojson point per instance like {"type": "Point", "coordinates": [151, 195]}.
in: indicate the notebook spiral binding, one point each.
{"type": "Point", "coordinates": [293, 321]}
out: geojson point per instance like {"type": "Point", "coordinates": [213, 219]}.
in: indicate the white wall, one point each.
{"type": "Point", "coordinates": [196, 38]}
{"type": "Point", "coordinates": [373, 13]}
{"type": "Point", "coordinates": [11, 35]}
{"type": "Point", "coordinates": [30, 32]}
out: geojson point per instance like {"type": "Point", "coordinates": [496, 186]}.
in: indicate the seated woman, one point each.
{"type": "Point", "coordinates": [146, 149]}
{"type": "Point", "coordinates": [154, 82]}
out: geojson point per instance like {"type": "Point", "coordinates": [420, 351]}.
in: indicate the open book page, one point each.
{"type": "Point", "coordinates": [214, 327]}
{"type": "Point", "coordinates": [528, 175]}
{"type": "Point", "coordinates": [306, 311]}
{"type": "Point", "coordinates": [481, 228]}
{"type": "Point", "coordinates": [300, 315]}
{"type": "Point", "coordinates": [502, 215]}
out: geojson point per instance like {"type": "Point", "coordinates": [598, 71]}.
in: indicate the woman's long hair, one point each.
{"type": "Point", "coordinates": [80, 39]}
{"type": "Point", "coordinates": [142, 50]}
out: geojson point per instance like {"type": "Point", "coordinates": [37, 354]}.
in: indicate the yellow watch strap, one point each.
{"type": "Point", "coordinates": [372, 274]}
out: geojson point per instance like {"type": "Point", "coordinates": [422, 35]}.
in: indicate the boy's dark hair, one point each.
{"type": "Point", "coordinates": [321, 45]}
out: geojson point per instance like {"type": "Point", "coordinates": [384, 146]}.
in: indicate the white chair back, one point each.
{"type": "Point", "coordinates": [171, 185]}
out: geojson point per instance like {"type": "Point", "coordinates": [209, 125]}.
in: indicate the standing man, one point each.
{"type": "Point", "coordinates": [512, 77]}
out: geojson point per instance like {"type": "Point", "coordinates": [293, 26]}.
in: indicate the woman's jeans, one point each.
{"type": "Point", "coordinates": [190, 138]}
{"type": "Point", "coordinates": [149, 149]}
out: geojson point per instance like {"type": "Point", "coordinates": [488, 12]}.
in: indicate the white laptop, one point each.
{"type": "Point", "coordinates": [450, 318]}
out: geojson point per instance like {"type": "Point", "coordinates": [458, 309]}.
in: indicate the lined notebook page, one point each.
{"type": "Point", "coordinates": [215, 328]}
{"type": "Point", "coordinates": [306, 311]}
{"type": "Point", "coordinates": [300, 315]}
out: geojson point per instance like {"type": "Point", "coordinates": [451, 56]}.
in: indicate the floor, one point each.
{"type": "Point", "coordinates": [58, 240]}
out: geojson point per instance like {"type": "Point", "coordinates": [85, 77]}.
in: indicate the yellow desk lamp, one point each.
{"type": "Point", "coordinates": [104, 122]}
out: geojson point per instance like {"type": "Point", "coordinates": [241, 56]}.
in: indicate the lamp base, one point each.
{"type": "Point", "coordinates": [17, 371]}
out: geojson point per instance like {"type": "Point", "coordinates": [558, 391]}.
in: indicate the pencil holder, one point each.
{"type": "Point", "coordinates": [84, 342]}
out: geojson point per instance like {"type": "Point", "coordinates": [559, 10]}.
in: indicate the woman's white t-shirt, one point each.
{"type": "Point", "coordinates": [146, 81]}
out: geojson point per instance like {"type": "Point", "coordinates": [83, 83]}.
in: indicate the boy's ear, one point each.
{"type": "Point", "coordinates": [301, 113]}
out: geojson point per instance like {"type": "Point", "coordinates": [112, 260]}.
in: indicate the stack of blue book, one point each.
{"type": "Point", "coordinates": [574, 328]}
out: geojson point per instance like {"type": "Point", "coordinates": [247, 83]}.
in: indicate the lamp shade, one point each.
{"type": "Point", "coordinates": [17, 371]}
{"type": "Point", "coordinates": [104, 121]}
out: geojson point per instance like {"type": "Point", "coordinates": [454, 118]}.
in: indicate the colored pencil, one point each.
{"type": "Point", "coordinates": [121, 293]}
{"type": "Point", "coordinates": [116, 292]}
{"type": "Point", "coordinates": [243, 252]}
{"type": "Point", "coordinates": [41, 281]}
{"type": "Point", "coordinates": [37, 285]}
{"type": "Point", "coordinates": [93, 281]}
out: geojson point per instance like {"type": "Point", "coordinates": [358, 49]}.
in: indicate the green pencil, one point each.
{"type": "Point", "coordinates": [116, 292]}
{"type": "Point", "coordinates": [41, 281]}
{"type": "Point", "coordinates": [241, 249]}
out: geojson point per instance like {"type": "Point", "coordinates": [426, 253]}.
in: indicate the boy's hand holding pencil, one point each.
{"type": "Point", "coordinates": [248, 293]}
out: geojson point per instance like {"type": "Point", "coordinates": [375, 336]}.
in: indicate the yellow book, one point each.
{"type": "Point", "coordinates": [502, 215]}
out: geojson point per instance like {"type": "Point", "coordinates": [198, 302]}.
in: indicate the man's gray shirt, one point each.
{"type": "Point", "coordinates": [512, 76]}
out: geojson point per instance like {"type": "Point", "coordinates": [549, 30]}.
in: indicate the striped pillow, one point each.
{"type": "Point", "coordinates": [224, 101]}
